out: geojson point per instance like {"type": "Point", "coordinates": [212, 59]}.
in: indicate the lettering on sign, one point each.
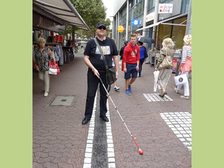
{"type": "Point", "coordinates": [165, 8]}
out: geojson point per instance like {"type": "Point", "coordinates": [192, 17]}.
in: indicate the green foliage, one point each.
{"type": "Point", "coordinates": [92, 11]}
{"type": "Point", "coordinates": [107, 23]}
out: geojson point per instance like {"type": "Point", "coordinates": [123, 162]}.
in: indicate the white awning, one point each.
{"type": "Point", "coordinates": [163, 22]}
{"type": "Point", "coordinates": [61, 11]}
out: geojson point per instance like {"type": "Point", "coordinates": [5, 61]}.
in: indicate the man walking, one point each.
{"type": "Point", "coordinates": [131, 63]}
{"type": "Point", "coordinates": [96, 69]}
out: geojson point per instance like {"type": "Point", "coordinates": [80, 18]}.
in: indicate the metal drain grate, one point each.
{"type": "Point", "coordinates": [63, 101]}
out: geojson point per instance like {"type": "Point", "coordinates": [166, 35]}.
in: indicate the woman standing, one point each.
{"type": "Point", "coordinates": [185, 66]}
{"type": "Point", "coordinates": [41, 56]}
{"type": "Point", "coordinates": [165, 72]}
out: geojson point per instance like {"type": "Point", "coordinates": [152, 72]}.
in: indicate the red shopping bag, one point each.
{"type": "Point", "coordinates": [53, 68]}
{"type": "Point", "coordinates": [187, 66]}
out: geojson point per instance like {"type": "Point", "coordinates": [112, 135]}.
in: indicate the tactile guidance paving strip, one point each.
{"type": "Point", "coordinates": [180, 123]}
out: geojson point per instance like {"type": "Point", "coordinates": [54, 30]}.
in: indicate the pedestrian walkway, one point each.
{"type": "Point", "coordinates": [61, 141]}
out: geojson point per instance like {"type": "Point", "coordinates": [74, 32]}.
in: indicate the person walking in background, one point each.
{"type": "Point", "coordinates": [122, 50]}
{"type": "Point", "coordinates": [41, 62]}
{"type": "Point", "coordinates": [121, 55]}
{"type": "Point", "coordinates": [116, 87]}
{"type": "Point", "coordinates": [185, 65]}
{"type": "Point", "coordinates": [165, 72]}
{"type": "Point", "coordinates": [143, 56]}
{"type": "Point", "coordinates": [96, 69]}
{"type": "Point", "coordinates": [131, 63]}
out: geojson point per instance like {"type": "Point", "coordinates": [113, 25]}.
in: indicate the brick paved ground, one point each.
{"type": "Point", "coordinates": [59, 139]}
{"type": "Point", "coordinates": [58, 136]}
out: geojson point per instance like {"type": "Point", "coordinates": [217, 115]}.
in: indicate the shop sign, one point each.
{"type": "Point", "coordinates": [165, 8]}
{"type": "Point", "coordinates": [136, 22]}
{"type": "Point", "coordinates": [150, 17]}
{"type": "Point", "coordinates": [120, 29]}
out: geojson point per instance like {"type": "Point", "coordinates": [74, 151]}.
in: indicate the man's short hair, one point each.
{"type": "Point", "coordinates": [133, 35]}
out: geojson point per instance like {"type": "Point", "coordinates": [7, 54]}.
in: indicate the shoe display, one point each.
{"type": "Point", "coordinates": [104, 118]}
{"type": "Point", "coordinates": [45, 94]}
{"type": "Point", "coordinates": [85, 121]}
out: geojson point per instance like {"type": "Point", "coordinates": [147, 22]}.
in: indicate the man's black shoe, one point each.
{"type": "Point", "coordinates": [85, 121]}
{"type": "Point", "coordinates": [104, 118]}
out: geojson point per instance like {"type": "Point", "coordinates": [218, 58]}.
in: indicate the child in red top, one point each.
{"type": "Point", "coordinates": [131, 63]}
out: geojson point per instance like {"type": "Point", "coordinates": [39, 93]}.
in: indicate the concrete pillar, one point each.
{"type": "Point", "coordinates": [127, 21]}
{"type": "Point", "coordinates": [118, 34]}
{"type": "Point", "coordinates": [188, 28]}
{"type": "Point", "coordinates": [155, 20]}
{"type": "Point", "coordinates": [144, 17]}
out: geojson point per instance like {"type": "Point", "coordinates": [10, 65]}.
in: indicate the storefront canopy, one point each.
{"type": "Point", "coordinates": [163, 22]}
{"type": "Point", "coordinates": [60, 11]}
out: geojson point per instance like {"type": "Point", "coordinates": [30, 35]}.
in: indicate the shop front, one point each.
{"type": "Point", "coordinates": [49, 21]}
{"type": "Point", "coordinates": [174, 29]}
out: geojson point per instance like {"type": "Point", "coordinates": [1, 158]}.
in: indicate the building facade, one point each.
{"type": "Point", "coordinates": [155, 19]}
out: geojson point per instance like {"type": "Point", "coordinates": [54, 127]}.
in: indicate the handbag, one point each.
{"type": "Point", "coordinates": [53, 68]}
{"type": "Point", "coordinates": [166, 63]}
{"type": "Point", "coordinates": [156, 77]}
{"type": "Point", "coordinates": [110, 72]}
{"type": "Point", "coordinates": [181, 79]}
{"type": "Point", "coordinates": [110, 76]}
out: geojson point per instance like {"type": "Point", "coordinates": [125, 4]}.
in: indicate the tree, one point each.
{"type": "Point", "coordinates": [92, 12]}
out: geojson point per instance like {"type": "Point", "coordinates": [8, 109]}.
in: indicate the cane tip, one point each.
{"type": "Point", "coordinates": [140, 151]}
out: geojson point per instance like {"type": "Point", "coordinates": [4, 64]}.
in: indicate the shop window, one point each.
{"type": "Point", "coordinates": [165, 1]}
{"type": "Point", "coordinates": [184, 6]}
{"type": "Point", "coordinates": [131, 3]}
{"type": "Point", "coordinates": [178, 32]}
{"type": "Point", "coordinates": [151, 5]}
{"type": "Point", "coordinates": [164, 32]}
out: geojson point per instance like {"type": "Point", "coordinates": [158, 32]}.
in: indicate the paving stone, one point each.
{"type": "Point", "coordinates": [41, 154]}
{"type": "Point", "coordinates": [50, 165]}
{"type": "Point", "coordinates": [43, 160]}
{"type": "Point", "coordinates": [65, 165]}
{"type": "Point", "coordinates": [37, 165]}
